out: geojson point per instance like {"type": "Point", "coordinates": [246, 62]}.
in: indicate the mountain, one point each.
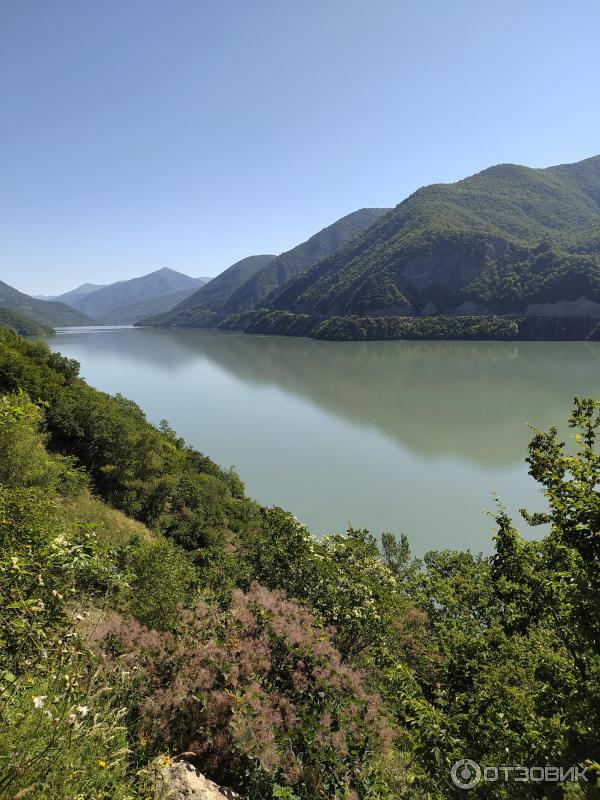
{"type": "Point", "coordinates": [127, 315]}
{"type": "Point", "coordinates": [74, 294]}
{"type": "Point", "coordinates": [79, 293]}
{"type": "Point", "coordinates": [296, 261]}
{"type": "Point", "coordinates": [23, 325]}
{"type": "Point", "coordinates": [50, 313]}
{"type": "Point", "coordinates": [510, 240]}
{"type": "Point", "coordinates": [105, 301]}
{"type": "Point", "coordinates": [245, 284]}
{"type": "Point", "coordinates": [202, 307]}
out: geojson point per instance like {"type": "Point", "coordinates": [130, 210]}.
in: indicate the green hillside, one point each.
{"type": "Point", "coordinates": [202, 307]}
{"type": "Point", "coordinates": [498, 241]}
{"type": "Point", "coordinates": [245, 285]}
{"type": "Point", "coordinates": [23, 325]}
{"type": "Point", "coordinates": [47, 312]}
{"type": "Point", "coordinates": [296, 261]}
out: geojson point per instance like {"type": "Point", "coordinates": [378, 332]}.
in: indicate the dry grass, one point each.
{"type": "Point", "coordinates": [111, 526]}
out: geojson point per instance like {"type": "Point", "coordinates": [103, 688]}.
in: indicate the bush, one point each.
{"type": "Point", "coordinates": [260, 694]}
{"type": "Point", "coordinates": [162, 582]}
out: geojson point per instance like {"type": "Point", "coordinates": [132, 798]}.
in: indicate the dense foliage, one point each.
{"type": "Point", "coordinates": [354, 328]}
{"type": "Point", "coordinates": [504, 238]}
{"type": "Point", "coordinates": [23, 325]}
{"type": "Point", "coordinates": [291, 668]}
{"type": "Point", "coordinates": [50, 313]}
{"type": "Point", "coordinates": [508, 241]}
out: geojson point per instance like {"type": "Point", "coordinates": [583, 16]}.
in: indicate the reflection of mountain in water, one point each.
{"type": "Point", "coordinates": [467, 399]}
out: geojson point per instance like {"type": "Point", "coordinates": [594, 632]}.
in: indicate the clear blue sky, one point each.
{"type": "Point", "coordinates": [137, 134]}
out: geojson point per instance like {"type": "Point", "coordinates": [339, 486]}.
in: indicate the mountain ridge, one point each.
{"type": "Point", "coordinates": [247, 282]}
{"type": "Point", "coordinates": [500, 240]}
{"type": "Point", "coordinates": [46, 312]}
{"type": "Point", "coordinates": [106, 300]}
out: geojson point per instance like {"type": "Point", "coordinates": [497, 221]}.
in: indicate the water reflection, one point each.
{"type": "Point", "coordinates": [438, 399]}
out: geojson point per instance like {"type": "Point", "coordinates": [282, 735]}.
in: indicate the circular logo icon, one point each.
{"type": "Point", "coordinates": [465, 773]}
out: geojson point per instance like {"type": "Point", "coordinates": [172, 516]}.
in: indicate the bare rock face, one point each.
{"type": "Point", "coordinates": [181, 780]}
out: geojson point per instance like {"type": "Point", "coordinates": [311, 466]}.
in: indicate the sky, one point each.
{"type": "Point", "coordinates": [140, 134]}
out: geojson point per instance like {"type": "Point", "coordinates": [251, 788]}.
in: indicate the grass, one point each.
{"type": "Point", "coordinates": [110, 525]}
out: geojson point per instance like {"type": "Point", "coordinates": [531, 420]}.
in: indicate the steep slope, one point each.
{"type": "Point", "coordinates": [50, 313]}
{"type": "Point", "coordinates": [300, 258]}
{"type": "Point", "coordinates": [127, 315]}
{"type": "Point", "coordinates": [23, 325]}
{"type": "Point", "coordinates": [202, 307]}
{"type": "Point", "coordinates": [162, 282]}
{"type": "Point", "coordinates": [244, 285]}
{"type": "Point", "coordinates": [499, 241]}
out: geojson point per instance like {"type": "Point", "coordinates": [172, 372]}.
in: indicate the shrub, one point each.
{"type": "Point", "coordinates": [161, 583]}
{"type": "Point", "coordinates": [260, 694]}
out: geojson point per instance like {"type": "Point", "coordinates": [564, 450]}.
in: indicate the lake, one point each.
{"type": "Point", "coordinates": [413, 437]}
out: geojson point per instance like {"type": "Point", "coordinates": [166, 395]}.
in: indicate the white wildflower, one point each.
{"type": "Point", "coordinates": [38, 701]}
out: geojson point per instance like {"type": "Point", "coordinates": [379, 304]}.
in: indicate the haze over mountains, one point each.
{"type": "Point", "coordinates": [121, 303]}
{"type": "Point", "coordinates": [104, 303]}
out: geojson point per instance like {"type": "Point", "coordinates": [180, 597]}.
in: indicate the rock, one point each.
{"type": "Point", "coordinates": [181, 780]}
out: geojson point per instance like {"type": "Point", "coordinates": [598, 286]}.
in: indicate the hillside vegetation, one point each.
{"type": "Point", "coordinates": [46, 312]}
{"type": "Point", "coordinates": [245, 284]}
{"type": "Point", "coordinates": [23, 325]}
{"type": "Point", "coordinates": [500, 240]}
{"type": "Point", "coordinates": [510, 241]}
{"type": "Point", "coordinates": [150, 608]}
{"type": "Point", "coordinates": [204, 306]}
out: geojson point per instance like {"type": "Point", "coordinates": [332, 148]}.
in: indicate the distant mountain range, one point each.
{"type": "Point", "coordinates": [509, 242]}
{"type": "Point", "coordinates": [117, 302]}
{"type": "Point", "coordinates": [128, 314]}
{"type": "Point", "coordinates": [508, 252]}
{"type": "Point", "coordinates": [52, 313]}
{"type": "Point", "coordinates": [122, 303]}
{"type": "Point", "coordinates": [244, 285]}
{"type": "Point", "coordinates": [202, 307]}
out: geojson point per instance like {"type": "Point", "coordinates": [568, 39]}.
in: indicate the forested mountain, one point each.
{"type": "Point", "coordinates": [202, 306]}
{"type": "Point", "coordinates": [234, 295]}
{"type": "Point", "coordinates": [106, 301]}
{"type": "Point", "coordinates": [510, 241]}
{"type": "Point", "coordinates": [47, 312]}
{"type": "Point", "coordinates": [22, 325]}
{"type": "Point", "coordinates": [300, 258]}
{"type": "Point", "coordinates": [502, 240]}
